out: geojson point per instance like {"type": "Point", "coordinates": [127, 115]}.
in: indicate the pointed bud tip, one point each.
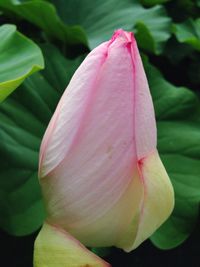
{"type": "Point", "coordinates": [127, 37]}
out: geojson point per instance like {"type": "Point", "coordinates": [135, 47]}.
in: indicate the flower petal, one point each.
{"type": "Point", "coordinates": [111, 228]}
{"type": "Point", "coordinates": [145, 124]}
{"type": "Point", "coordinates": [158, 199]}
{"type": "Point", "coordinates": [65, 122]}
{"type": "Point", "coordinates": [55, 247]}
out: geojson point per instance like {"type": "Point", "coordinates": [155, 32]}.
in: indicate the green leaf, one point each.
{"type": "Point", "coordinates": [100, 20]}
{"type": "Point", "coordinates": [43, 15]}
{"type": "Point", "coordinates": [19, 56]}
{"type": "Point", "coordinates": [153, 2]}
{"type": "Point", "coordinates": [23, 119]}
{"type": "Point", "coordinates": [97, 19]}
{"type": "Point", "coordinates": [178, 123]}
{"type": "Point", "coordinates": [188, 32]}
{"type": "Point", "coordinates": [176, 52]}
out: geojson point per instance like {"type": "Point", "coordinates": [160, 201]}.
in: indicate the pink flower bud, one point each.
{"type": "Point", "coordinates": [100, 172]}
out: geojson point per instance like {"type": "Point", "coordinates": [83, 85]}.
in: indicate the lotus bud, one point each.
{"type": "Point", "coordinates": [101, 176]}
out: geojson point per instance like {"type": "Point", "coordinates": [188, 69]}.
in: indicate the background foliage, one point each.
{"type": "Point", "coordinates": [58, 34]}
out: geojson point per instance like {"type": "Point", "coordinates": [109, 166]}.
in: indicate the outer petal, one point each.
{"type": "Point", "coordinates": [56, 248]}
{"type": "Point", "coordinates": [111, 228]}
{"type": "Point", "coordinates": [157, 204]}
{"type": "Point", "coordinates": [145, 124]}
{"type": "Point", "coordinates": [157, 198]}
{"type": "Point", "coordinates": [67, 119]}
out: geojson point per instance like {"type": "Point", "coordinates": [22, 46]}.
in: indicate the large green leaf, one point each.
{"type": "Point", "coordinates": [153, 2]}
{"type": "Point", "coordinates": [98, 19]}
{"type": "Point", "coordinates": [19, 57]}
{"type": "Point", "coordinates": [178, 122]}
{"type": "Point", "coordinates": [23, 119]}
{"type": "Point", "coordinates": [43, 14]}
{"type": "Point", "coordinates": [188, 32]}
